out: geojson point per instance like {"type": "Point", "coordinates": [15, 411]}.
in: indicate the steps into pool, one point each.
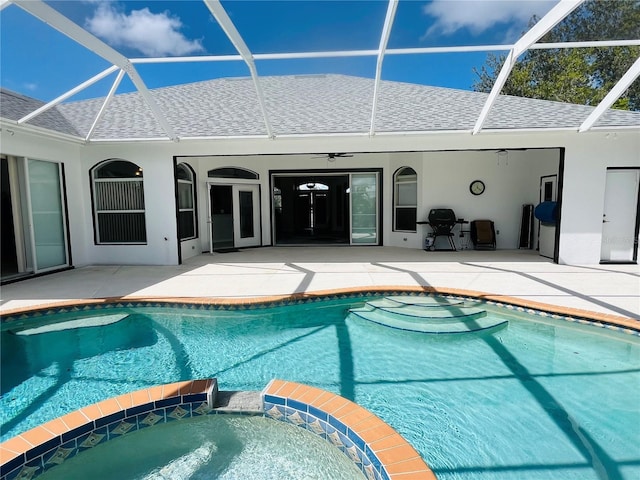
{"type": "Point", "coordinates": [430, 315]}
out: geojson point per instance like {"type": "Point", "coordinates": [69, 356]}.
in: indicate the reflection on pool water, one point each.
{"type": "Point", "coordinates": [223, 447]}
{"type": "Point", "coordinates": [540, 398]}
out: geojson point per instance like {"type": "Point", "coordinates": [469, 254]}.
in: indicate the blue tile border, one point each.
{"type": "Point", "coordinates": [133, 304]}
{"type": "Point", "coordinates": [333, 431]}
{"type": "Point", "coordinates": [98, 431]}
{"type": "Point", "coordinates": [56, 451]}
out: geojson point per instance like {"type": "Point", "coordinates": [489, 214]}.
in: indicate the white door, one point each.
{"type": "Point", "coordinates": [246, 215]}
{"type": "Point", "coordinates": [619, 234]}
{"type": "Point", "coordinates": [234, 216]}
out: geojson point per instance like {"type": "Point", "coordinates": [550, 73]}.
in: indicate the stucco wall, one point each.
{"type": "Point", "coordinates": [446, 164]}
{"type": "Point", "coordinates": [586, 163]}
{"type": "Point", "coordinates": [39, 147]}
{"type": "Point", "coordinates": [159, 198]}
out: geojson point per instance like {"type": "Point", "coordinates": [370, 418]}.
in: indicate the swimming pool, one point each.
{"type": "Point", "coordinates": [539, 398]}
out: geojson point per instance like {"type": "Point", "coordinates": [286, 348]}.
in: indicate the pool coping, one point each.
{"type": "Point", "coordinates": [529, 306]}
{"type": "Point", "coordinates": [372, 445]}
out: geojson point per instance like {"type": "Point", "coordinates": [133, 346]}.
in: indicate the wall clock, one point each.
{"type": "Point", "coordinates": [477, 187]}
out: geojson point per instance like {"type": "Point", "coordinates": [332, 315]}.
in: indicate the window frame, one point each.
{"type": "Point", "coordinates": [95, 180]}
{"type": "Point", "coordinates": [397, 181]}
{"type": "Point", "coordinates": [193, 208]}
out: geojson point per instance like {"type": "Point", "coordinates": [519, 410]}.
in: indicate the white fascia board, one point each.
{"type": "Point", "coordinates": [609, 128]}
{"type": "Point", "coordinates": [618, 89]}
{"type": "Point", "coordinates": [412, 133]}
{"type": "Point", "coordinates": [556, 130]}
{"type": "Point", "coordinates": [68, 94]}
{"type": "Point", "coordinates": [102, 141]}
{"type": "Point", "coordinates": [323, 135]}
{"type": "Point", "coordinates": [13, 126]}
{"type": "Point", "coordinates": [4, 4]}
{"type": "Point", "coordinates": [220, 14]}
{"type": "Point", "coordinates": [132, 140]}
{"type": "Point", "coordinates": [55, 19]}
{"type": "Point", "coordinates": [227, 137]}
{"type": "Point", "coordinates": [546, 23]}
{"type": "Point", "coordinates": [384, 40]}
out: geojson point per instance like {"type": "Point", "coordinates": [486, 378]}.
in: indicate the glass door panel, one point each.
{"type": "Point", "coordinates": [246, 211]}
{"type": "Point", "coordinates": [9, 249]}
{"type": "Point", "coordinates": [235, 216]}
{"type": "Point", "coordinates": [246, 214]}
{"type": "Point", "coordinates": [364, 208]}
{"type": "Point", "coordinates": [221, 208]}
{"type": "Point", "coordinates": [47, 215]}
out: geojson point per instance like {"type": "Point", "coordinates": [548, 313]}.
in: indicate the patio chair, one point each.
{"type": "Point", "coordinates": [483, 235]}
{"type": "Point", "coordinates": [442, 221]}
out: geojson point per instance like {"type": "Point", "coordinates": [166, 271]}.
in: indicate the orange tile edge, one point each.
{"type": "Point", "coordinates": [21, 444]}
{"type": "Point", "coordinates": [609, 319]}
{"type": "Point", "coordinates": [355, 419]}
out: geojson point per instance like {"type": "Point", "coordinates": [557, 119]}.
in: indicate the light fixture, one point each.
{"type": "Point", "coordinates": [311, 185]}
{"type": "Point", "coordinates": [502, 153]}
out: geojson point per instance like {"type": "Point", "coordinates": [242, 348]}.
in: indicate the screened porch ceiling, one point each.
{"type": "Point", "coordinates": [120, 63]}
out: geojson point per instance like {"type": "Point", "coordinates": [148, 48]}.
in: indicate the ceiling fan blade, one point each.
{"type": "Point", "coordinates": [333, 156]}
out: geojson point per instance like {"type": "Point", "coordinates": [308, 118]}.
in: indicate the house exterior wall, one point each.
{"type": "Point", "coordinates": [586, 163]}
{"type": "Point", "coordinates": [445, 164]}
{"type": "Point", "coordinates": [156, 161]}
{"type": "Point", "coordinates": [39, 147]}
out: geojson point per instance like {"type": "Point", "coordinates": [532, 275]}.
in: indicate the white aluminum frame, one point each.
{"type": "Point", "coordinates": [48, 15]}
{"type": "Point", "coordinates": [52, 17]}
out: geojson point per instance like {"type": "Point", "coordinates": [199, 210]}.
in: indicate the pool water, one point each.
{"type": "Point", "coordinates": [541, 398]}
{"type": "Point", "coordinates": [224, 447]}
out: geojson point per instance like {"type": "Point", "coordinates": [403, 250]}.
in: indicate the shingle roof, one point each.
{"type": "Point", "coordinates": [311, 104]}
{"type": "Point", "coordinates": [15, 106]}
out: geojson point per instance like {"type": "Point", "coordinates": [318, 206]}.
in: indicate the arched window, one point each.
{"type": "Point", "coordinates": [233, 172]}
{"type": "Point", "coordinates": [405, 199]}
{"type": "Point", "coordinates": [118, 203]}
{"type": "Point", "coordinates": [312, 186]}
{"type": "Point", "coordinates": [186, 180]}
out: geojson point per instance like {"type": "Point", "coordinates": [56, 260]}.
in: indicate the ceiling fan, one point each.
{"type": "Point", "coordinates": [332, 156]}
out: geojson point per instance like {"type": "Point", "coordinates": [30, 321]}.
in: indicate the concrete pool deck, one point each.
{"type": "Point", "coordinates": [523, 275]}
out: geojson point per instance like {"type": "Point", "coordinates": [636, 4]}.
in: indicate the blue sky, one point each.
{"type": "Point", "coordinates": [38, 61]}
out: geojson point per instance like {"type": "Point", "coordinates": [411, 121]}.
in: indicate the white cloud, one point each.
{"type": "Point", "coordinates": [480, 15]}
{"type": "Point", "coordinates": [153, 34]}
{"type": "Point", "coordinates": [32, 87]}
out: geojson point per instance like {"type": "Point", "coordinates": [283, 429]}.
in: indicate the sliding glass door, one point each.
{"type": "Point", "coordinates": [47, 215]}
{"type": "Point", "coordinates": [34, 232]}
{"type": "Point", "coordinates": [364, 208]}
{"type": "Point", "coordinates": [326, 207]}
